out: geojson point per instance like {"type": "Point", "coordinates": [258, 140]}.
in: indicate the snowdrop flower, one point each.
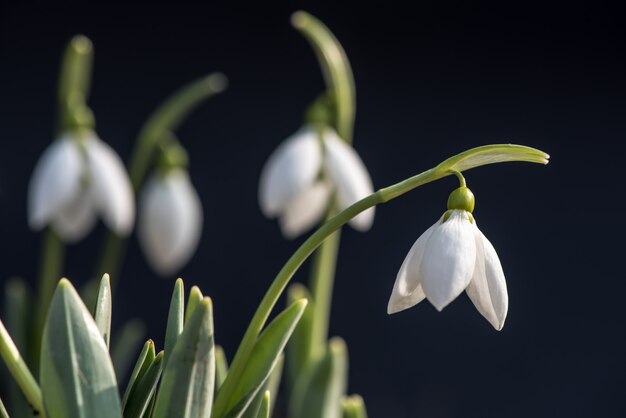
{"type": "Point", "coordinates": [77, 179]}
{"type": "Point", "coordinates": [450, 257]}
{"type": "Point", "coordinates": [305, 172]}
{"type": "Point", "coordinates": [170, 221]}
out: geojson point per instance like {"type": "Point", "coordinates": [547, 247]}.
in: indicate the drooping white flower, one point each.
{"type": "Point", "coordinates": [170, 220]}
{"type": "Point", "coordinates": [305, 172]}
{"type": "Point", "coordinates": [453, 255]}
{"type": "Point", "coordinates": [75, 181]}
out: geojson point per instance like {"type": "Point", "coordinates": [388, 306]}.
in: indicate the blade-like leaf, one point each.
{"type": "Point", "coordinates": [125, 344]}
{"type": "Point", "coordinates": [148, 412]}
{"type": "Point", "coordinates": [321, 388]}
{"type": "Point", "coordinates": [195, 297]}
{"type": "Point", "coordinates": [19, 370]}
{"type": "Point", "coordinates": [146, 357]}
{"type": "Point", "coordinates": [102, 311]}
{"type": "Point", "coordinates": [299, 345]}
{"type": "Point", "coordinates": [354, 407]}
{"type": "Point", "coordinates": [264, 358]}
{"type": "Point", "coordinates": [3, 411]}
{"type": "Point", "coordinates": [264, 408]}
{"type": "Point", "coordinates": [270, 385]}
{"type": "Point", "coordinates": [221, 367]}
{"type": "Point", "coordinates": [18, 314]}
{"type": "Point", "coordinates": [189, 376]}
{"type": "Point", "coordinates": [141, 396]}
{"type": "Point", "coordinates": [77, 376]}
{"type": "Point", "coordinates": [175, 318]}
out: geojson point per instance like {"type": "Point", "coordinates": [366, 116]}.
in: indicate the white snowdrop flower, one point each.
{"type": "Point", "coordinates": [76, 180]}
{"type": "Point", "coordinates": [453, 255]}
{"type": "Point", "coordinates": [170, 220]}
{"type": "Point", "coordinates": [305, 172]}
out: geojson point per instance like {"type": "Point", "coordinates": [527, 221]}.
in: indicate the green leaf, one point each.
{"type": "Point", "coordinates": [271, 385]}
{"type": "Point", "coordinates": [18, 314]}
{"type": "Point", "coordinates": [321, 388]}
{"type": "Point", "coordinates": [3, 411]}
{"type": "Point", "coordinates": [299, 345]}
{"type": "Point", "coordinates": [144, 389]}
{"type": "Point", "coordinates": [126, 342]}
{"type": "Point", "coordinates": [354, 407]}
{"type": "Point", "coordinates": [195, 297]}
{"type": "Point", "coordinates": [221, 367]}
{"type": "Point", "coordinates": [19, 370]}
{"type": "Point", "coordinates": [189, 376]}
{"type": "Point", "coordinates": [77, 377]}
{"type": "Point", "coordinates": [175, 318]}
{"type": "Point", "coordinates": [264, 409]}
{"type": "Point", "coordinates": [148, 412]}
{"type": "Point", "coordinates": [102, 311]}
{"type": "Point", "coordinates": [264, 357]}
{"type": "Point", "coordinates": [492, 154]}
{"type": "Point", "coordinates": [146, 357]}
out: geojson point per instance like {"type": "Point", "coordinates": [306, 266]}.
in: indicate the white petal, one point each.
{"type": "Point", "coordinates": [291, 169]}
{"type": "Point", "coordinates": [111, 189]}
{"type": "Point", "coordinates": [55, 181]}
{"type": "Point", "coordinates": [488, 287]}
{"type": "Point", "coordinates": [74, 221]}
{"type": "Point", "coordinates": [305, 210]}
{"type": "Point", "coordinates": [407, 290]}
{"type": "Point", "coordinates": [350, 177]}
{"type": "Point", "coordinates": [170, 222]}
{"type": "Point", "coordinates": [449, 260]}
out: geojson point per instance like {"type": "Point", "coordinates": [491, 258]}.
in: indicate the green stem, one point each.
{"type": "Point", "coordinates": [156, 130]}
{"type": "Point", "coordinates": [19, 370]}
{"type": "Point", "coordinates": [475, 157]}
{"type": "Point", "coordinates": [321, 283]}
{"type": "Point", "coordinates": [286, 273]}
{"type": "Point", "coordinates": [335, 67]}
{"type": "Point", "coordinates": [53, 254]}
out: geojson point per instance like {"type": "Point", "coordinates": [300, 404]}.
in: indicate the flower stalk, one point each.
{"type": "Point", "coordinates": [475, 157]}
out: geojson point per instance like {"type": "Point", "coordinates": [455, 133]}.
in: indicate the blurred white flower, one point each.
{"type": "Point", "coordinates": [452, 256]}
{"type": "Point", "coordinates": [170, 220]}
{"type": "Point", "coordinates": [75, 181]}
{"type": "Point", "coordinates": [300, 177]}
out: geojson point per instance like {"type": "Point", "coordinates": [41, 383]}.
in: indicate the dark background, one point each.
{"type": "Point", "coordinates": [432, 80]}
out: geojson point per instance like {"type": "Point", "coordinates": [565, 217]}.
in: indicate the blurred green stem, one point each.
{"type": "Point", "coordinates": [156, 130]}
{"type": "Point", "coordinates": [475, 157]}
{"type": "Point", "coordinates": [335, 67]}
{"type": "Point", "coordinates": [321, 284]}
{"type": "Point", "coordinates": [53, 254]}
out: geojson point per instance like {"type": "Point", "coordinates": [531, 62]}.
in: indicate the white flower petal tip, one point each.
{"type": "Point", "coordinates": [487, 290]}
{"type": "Point", "coordinates": [295, 173]}
{"type": "Point", "coordinates": [170, 221]}
{"type": "Point", "coordinates": [75, 180]}
{"type": "Point", "coordinates": [304, 210]}
{"type": "Point", "coordinates": [448, 258]}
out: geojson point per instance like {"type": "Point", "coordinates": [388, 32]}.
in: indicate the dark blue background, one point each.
{"type": "Point", "coordinates": [432, 80]}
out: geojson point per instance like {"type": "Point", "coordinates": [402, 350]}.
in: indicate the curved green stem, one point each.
{"type": "Point", "coordinates": [336, 69]}
{"type": "Point", "coordinates": [156, 130]}
{"type": "Point", "coordinates": [475, 157]}
{"type": "Point", "coordinates": [20, 372]}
